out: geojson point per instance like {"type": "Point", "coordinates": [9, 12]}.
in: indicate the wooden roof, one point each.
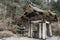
{"type": "Point", "coordinates": [33, 13]}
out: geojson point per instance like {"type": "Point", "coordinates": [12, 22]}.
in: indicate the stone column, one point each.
{"type": "Point", "coordinates": [40, 30]}
{"type": "Point", "coordinates": [44, 31]}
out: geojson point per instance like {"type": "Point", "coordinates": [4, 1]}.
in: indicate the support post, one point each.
{"type": "Point", "coordinates": [39, 30]}
{"type": "Point", "coordinates": [30, 32]}
{"type": "Point", "coordinates": [44, 31]}
{"type": "Point", "coordinates": [50, 30]}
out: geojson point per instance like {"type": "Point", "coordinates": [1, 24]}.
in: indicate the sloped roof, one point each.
{"type": "Point", "coordinates": [37, 9]}
{"type": "Point", "coordinates": [34, 18]}
{"type": "Point", "coordinates": [40, 10]}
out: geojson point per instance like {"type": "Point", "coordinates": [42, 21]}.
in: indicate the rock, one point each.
{"type": "Point", "coordinates": [4, 34]}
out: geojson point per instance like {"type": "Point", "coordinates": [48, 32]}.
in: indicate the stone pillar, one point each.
{"type": "Point", "coordinates": [50, 30]}
{"type": "Point", "coordinates": [40, 30]}
{"type": "Point", "coordinates": [44, 31]}
{"type": "Point", "coordinates": [30, 32]}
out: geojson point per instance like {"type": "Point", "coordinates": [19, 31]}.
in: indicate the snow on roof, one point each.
{"type": "Point", "coordinates": [40, 10]}
{"type": "Point", "coordinates": [37, 9]}
{"type": "Point", "coordinates": [53, 13]}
